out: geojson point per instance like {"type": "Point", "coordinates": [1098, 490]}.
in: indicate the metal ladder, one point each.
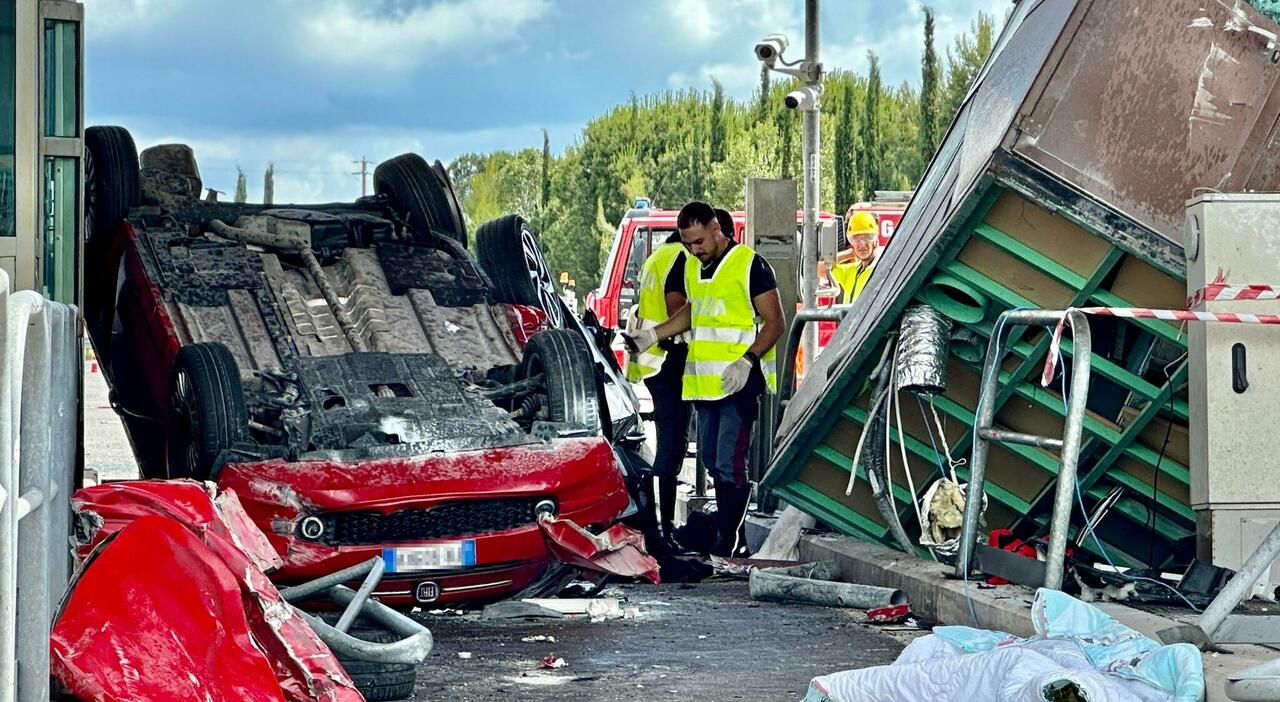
{"type": "Point", "coordinates": [1068, 446]}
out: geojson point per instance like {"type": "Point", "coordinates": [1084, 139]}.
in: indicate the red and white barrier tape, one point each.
{"type": "Point", "coordinates": [1051, 363]}
{"type": "Point", "coordinates": [1221, 292]}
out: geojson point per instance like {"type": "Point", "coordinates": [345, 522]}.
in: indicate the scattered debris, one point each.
{"type": "Point", "coordinates": [1077, 650]}
{"type": "Point", "coordinates": [551, 660]}
{"type": "Point", "coordinates": [539, 638]}
{"type": "Point", "coordinates": [818, 583]}
{"type": "Point", "coordinates": [464, 655]}
{"type": "Point", "coordinates": [783, 541]}
{"type": "Point", "coordinates": [889, 615]}
{"type": "Point", "coordinates": [595, 609]}
{"type": "Point", "coordinates": [618, 551]}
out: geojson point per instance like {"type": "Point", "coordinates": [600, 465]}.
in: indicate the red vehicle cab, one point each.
{"type": "Point", "coordinates": [641, 231]}
{"type": "Point", "coordinates": [364, 384]}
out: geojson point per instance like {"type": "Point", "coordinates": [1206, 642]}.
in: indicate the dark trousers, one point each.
{"type": "Point", "coordinates": [724, 436]}
{"type": "Point", "coordinates": [670, 413]}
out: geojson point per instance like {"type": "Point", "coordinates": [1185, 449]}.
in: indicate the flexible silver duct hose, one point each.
{"type": "Point", "coordinates": [922, 351]}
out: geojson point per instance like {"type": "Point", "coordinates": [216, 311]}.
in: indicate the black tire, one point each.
{"type": "Point", "coordinates": [573, 396]}
{"type": "Point", "coordinates": [206, 410]}
{"type": "Point", "coordinates": [451, 197]}
{"type": "Point", "coordinates": [511, 254]}
{"type": "Point", "coordinates": [416, 191]}
{"type": "Point", "coordinates": [112, 183]}
{"type": "Point", "coordinates": [380, 681]}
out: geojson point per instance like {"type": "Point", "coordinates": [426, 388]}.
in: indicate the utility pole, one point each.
{"type": "Point", "coordinates": [364, 175]}
{"type": "Point", "coordinates": [811, 148]}
{"type": "Point", "coordinates": [808, 100]}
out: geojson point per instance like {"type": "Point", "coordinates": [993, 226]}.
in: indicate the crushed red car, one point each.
{"type": "Point", "coordinates": [363, 383]}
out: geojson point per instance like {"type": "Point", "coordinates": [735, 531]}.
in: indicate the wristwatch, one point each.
{"type": "Point", "coordinates": [752, 357]}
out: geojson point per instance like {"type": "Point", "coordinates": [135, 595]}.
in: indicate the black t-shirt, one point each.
{"type": "Point", "coordinates": [761, 279]}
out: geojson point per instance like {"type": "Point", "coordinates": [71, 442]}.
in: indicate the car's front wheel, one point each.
{"type": "Point", "coordinates": [207, 414]}
{"type": "Point", "coordinates": [564, 361]}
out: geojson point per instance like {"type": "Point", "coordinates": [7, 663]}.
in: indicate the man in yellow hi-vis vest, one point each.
{"type": "Point", "coordinates": [661, 367]}
{"type": "Point", "coordinates": [855, 264]}
{"type": "Point", "coordinates": [734, 317]}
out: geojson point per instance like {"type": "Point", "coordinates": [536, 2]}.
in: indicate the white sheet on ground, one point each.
{"type": "Point", "coordinates": [1075, 643]}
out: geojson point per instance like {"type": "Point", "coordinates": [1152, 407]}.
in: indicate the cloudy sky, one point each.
{"type": "Point", "coordinates": [314, 85]}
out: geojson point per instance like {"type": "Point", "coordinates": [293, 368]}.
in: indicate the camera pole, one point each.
{"type": "Point", "coordinates": [811, 136]}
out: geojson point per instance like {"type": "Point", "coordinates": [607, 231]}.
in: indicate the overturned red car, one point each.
{"type": "Point", "coordinates": [363, 383]}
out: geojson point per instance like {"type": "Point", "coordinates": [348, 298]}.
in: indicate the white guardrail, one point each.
{"type": "Point", "coordinates": [39, 385]}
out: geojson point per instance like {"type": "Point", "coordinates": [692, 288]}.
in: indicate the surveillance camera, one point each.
{"type": "Point", "coordinates": [805, 98]}
{"type": "Point", "coordinates": [770, 48]}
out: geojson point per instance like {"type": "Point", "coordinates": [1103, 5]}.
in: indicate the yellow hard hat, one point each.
{"type": "Point", "coordinates": [862, 223]}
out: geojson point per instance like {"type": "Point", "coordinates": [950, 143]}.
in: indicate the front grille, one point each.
{"type": "Point", "coordinates": [447, 521]}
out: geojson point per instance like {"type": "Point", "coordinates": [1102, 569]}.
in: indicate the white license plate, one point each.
{"type": "Point", "coordinates": [453, 554]}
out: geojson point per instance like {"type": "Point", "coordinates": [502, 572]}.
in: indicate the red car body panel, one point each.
{"type": "Point", "coordinates": [579, 474]}
{"type": "Point", "coordinates": [172, 604]}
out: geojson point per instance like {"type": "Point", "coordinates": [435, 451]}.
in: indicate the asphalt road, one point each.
{"type": "Point", "coordinates": [106, 448]}
{"type": "Point", "coordinates": [704, 642]}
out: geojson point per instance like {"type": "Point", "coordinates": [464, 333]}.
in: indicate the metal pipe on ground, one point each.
{"type": "Point", "coordinates": [319, 585]}
{"type": "Point", "coordinates": [818, 583]}
{"type": "Point", "coordinates": [1228, 598]}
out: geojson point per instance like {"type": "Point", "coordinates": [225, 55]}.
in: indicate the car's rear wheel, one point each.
{"type": "Point", "coordinates": [111, 187]}
{"type": "Point", "coordinates": [562, 357]}
{"type": "Point", "coordinates": [207, 415]}
{"type": "Point", "coordinates": [417, 192]}
{"type": "Point", "coordinates": [510, 253]}
{"type": "Point", "coordinates": [111, 184]}
{"type": "Point", "coordinates": [380, 681]}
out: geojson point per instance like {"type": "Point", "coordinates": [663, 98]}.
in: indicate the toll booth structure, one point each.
{"type": "Point", "coordinates": [1062, 182]}
{"type": "Point", "coordinates": [42, 166]}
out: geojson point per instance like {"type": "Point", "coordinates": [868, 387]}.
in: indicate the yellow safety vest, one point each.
{"type": "Point", "coordinates": [852, 278]}
{"type": "Point", "coordinates": [723, 325]}
{"type": "Point", "coordinates": [652, 309]}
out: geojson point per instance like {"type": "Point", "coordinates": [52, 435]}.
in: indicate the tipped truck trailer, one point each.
{"type": "Point", "coordinates": [1062, 182]}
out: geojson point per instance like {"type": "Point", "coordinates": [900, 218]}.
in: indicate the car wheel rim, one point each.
{"type": "Point", "coordinates": [184, 426]}
{"type": "Point", "coordinates": [90, 194]}
{"type": "Point", "coordinates": [540, 276]}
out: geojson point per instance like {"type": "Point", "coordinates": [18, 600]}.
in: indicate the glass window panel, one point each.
{"type": "Point", "coordinates": [61, 84]}
{"type": "Point", "coordinates": [61, 187]}
{"type": "Point", "coordinates": [8, 110]}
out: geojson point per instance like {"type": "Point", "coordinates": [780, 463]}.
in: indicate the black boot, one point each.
{"type": "Point", "coordinates": [667, 485]}
{"type": "Point", "coordinates": [731, 508]}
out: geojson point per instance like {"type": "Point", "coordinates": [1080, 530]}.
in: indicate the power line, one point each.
{"type": "Point", "coordinates": [364, 175]}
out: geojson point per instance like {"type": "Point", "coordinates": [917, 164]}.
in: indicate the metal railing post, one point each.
{"type": "Point", "coordinates": [1068, 445]}
{"type": "Point", "coordinates": [38, 418]}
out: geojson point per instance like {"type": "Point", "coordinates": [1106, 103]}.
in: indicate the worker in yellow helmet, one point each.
{"type": "Point", "coordinates": [855, 264]}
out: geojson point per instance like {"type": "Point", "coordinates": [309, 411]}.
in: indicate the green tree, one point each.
{"type": "Point", "coordinates": [269, 184]}
{"type": "Point", "coordinates": [242, 186]}
{"type": "Point", "coordinates": [869, 154]}
{"type": "Point", "coordinates": [546, 169]}
{"type": "Point", "coordinates": [843, 153]}
{"type": "Point", "coordinates": [929, 67]}
{"type": "Point", "coordinates": [964, 60]}
{"type": "Point", "coordinates": [717, 145]}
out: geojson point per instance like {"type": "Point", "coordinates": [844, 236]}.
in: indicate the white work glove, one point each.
{"type": "Point", "coordinates": [640, 341]}
{"type": "Point", "coordinates": [735, 376]}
